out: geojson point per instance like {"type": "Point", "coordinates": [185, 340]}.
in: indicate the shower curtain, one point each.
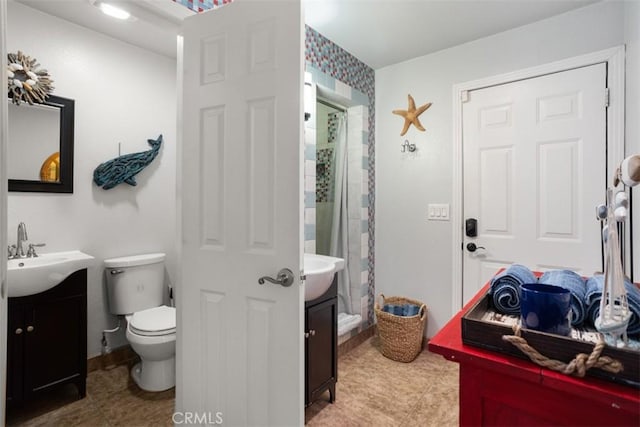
{"type": "Point", "coordinates": [339, 246]}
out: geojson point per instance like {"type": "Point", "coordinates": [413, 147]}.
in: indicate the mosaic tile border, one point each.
{"type": "Point", "coordinates": [324, 175]}
{"type": "Point", "coordinates": [333, 127]}
{"type": "Point", "coordinates": [202, 5]}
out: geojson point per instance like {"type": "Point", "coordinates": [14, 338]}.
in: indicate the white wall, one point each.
{"type": "Point", "coordinates": [632, 40]}
{"type": "Point", "coordinates": [122, 94]}
{"type": "Point", "coordinates": [413, 255]}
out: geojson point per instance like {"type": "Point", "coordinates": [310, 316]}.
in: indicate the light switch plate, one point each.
{"type": "Point", "coordinates": [438, 212]}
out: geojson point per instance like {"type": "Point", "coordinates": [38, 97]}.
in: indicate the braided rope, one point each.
{"type": "Point", "coordinates": [578, 366]}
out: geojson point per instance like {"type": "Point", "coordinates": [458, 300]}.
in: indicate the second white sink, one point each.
{"type": "Point", "coordinates": [319, 270]}
{"type": "Point", "coordinates": [29, 276]}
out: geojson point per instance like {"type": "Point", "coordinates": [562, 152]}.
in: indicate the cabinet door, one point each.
{"type": "Point", "coordinates": [321, 351]}
{"type": "Point", "coordinates": [54, 335]}
{"type": "Point", "coordinates": [15, 353]}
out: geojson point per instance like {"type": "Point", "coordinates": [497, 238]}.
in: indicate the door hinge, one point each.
{"type": "Point", "coordinates": [464, 96]}
{"type": "Point", "coordinates": [606, 97]}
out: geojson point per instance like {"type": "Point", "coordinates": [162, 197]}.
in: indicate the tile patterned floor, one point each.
{"type": "Point", "coordinates": [375, 391]}
{"type": "Point", "coordinates": [113, 399]}
{"type": "Point", "coordinates": [372, 390]}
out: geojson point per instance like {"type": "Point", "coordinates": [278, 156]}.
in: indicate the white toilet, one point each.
{"type": "Point", "coordinates": [136, 290]}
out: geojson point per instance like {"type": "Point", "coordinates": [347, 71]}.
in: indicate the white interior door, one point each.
{"type": "Point", "coordinates": [534, 156]}
{"type": "Point", "coordinates": [3, 213]}
{"type": "Point", "coordinates": [240, 347]}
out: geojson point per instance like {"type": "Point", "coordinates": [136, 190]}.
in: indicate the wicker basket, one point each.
{"type": "Point", "coordinates": [400, 336]}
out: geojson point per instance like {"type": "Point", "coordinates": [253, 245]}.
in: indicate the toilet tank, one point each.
{"type": "Point", "coordinates": [135, 283]}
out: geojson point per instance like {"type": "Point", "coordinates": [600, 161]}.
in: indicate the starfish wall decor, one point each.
{"type": "Point", "coordinates": [411, 115]}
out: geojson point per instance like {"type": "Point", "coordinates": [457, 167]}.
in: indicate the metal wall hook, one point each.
{"type": "Point", "coordinates": [407, 146]}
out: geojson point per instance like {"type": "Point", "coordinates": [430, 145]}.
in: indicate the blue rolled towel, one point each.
{"type": "Point", "coordinates": [572, 282]}
{"type": "Point", "coordinates": [594, 295]}
{"type": "Point", "coordinates": [410, 309]}
{"type": "Point", "coordinates": [505, 288]}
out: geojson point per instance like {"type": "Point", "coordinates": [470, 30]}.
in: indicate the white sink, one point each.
{"type": "Point", "coordinates": [319, 270]}
{"type": "Point", "coordinates": [29, 276]}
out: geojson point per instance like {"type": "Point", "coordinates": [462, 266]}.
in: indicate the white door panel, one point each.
{"type": "Point", "coordinates": [488, 268]}
{"type": "Point", "coordinates": [240, 346]}
{"type": "Point", "coordinates": [534, 170]}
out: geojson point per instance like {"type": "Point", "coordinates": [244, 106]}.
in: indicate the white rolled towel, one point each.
{"type": "Point", "coordinates": [347, 322]}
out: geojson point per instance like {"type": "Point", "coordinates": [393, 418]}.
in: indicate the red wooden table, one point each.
{"type": "Point", "coordinates": [497, 389]}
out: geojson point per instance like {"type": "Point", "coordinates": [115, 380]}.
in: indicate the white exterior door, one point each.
{"type": "Point", "coordinates": [534, 156]}
{"type": "Point", "coordinates": [240, 344]}
{"type": "Point", "coordinates": [3, 213]}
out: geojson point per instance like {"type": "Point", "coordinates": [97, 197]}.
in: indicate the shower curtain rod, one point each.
{"type": "Point", "coordinates": [330, 105]}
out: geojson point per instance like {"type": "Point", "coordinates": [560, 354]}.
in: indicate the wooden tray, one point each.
{"type": "Point", "coordinates": [488, 335]}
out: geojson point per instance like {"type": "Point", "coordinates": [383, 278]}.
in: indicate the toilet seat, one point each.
{"type": "Point", "coordinates": [156, 321]}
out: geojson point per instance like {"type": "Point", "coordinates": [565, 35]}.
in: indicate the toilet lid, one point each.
{"type": "Point", "coordinates": [154, 321]}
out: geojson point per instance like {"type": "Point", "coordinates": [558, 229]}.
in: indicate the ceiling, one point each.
{"type": "Point", "coordinates": [378, 32]}
{"type": "Point", "coordinates": [155, 26]}
{"type": "Point", "coordinates": [385, 32]}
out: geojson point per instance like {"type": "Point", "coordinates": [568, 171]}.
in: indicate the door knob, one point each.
{"type": "Point", "coordinates": [471, 247]}
{"type": "Point", "coordinates": [18, 331]}
{"type": "Point", "coordinates": [30, 328]}
{"type": "Point", "coordinates": [284, 278]}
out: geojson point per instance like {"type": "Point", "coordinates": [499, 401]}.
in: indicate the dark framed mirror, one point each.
{"type": "Point", "coordinates": [40, 146]}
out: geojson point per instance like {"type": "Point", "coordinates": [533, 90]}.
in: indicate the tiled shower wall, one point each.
{"type": "Point", "coordinates": [332, 67]}
{"type": "Point", "coordinates": [317, 129]}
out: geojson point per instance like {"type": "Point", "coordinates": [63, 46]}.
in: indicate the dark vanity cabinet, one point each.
{"type": "Point", "coordinates": [321, 345]}
{"type": "Point", "coordinates": [47, 340]}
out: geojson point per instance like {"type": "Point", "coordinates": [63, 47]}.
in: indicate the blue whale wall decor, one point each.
{"type": "Point", "coordinates": [124, 168]}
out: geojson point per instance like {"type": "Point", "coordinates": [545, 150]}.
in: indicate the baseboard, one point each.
{"type": "Point", "coordinates": [355, 341]}
{"type": "Point", "coordinates": [119, 356]}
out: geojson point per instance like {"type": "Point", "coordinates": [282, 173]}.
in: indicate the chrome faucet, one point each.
{"type": "Point", "coordinates": [22, 237]}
